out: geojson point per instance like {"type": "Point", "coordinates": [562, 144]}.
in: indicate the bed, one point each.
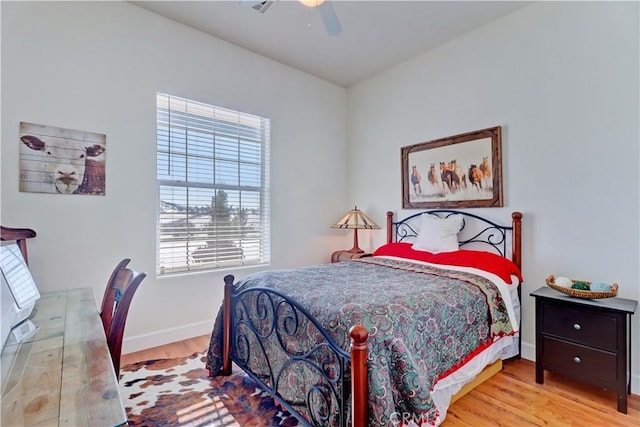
{"type": "Point", "coordinates": [383, 340]}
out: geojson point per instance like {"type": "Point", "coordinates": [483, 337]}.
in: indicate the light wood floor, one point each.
{"type": "Point", "coordinates": [511, 398]}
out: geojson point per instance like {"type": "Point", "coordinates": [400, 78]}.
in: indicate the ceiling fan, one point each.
{"type": "Point", "coordinates": [328, 14]}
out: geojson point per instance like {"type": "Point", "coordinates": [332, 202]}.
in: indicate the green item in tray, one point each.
{"type": "Point", "coordinates": [583, 286]}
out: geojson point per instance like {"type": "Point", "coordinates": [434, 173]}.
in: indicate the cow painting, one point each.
{"type": "Point", "coordinates": [63, 161]}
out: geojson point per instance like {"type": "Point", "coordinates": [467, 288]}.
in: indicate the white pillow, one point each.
{"type": "Point", "coordinates": [438, 234]}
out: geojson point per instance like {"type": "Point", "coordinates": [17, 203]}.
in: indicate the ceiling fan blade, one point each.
{"type": "Point", "coordinates": [330, 19]}
{"type": "Point", "coordinates": [260, 6]}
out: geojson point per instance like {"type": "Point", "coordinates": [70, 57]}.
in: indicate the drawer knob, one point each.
{"type": "Point", "coordinates": [577, 326]}
{"type": "Point", "coordinates": [577, 359]}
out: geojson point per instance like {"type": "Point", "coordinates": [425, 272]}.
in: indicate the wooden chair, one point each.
{"type": "Point", "coordinates": [20, 235]}
{"type": "Point", "coordinates": [121, 287]}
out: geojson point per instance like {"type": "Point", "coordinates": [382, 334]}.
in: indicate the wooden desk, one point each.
{"type": "Point", "coordinates": [62, 375]}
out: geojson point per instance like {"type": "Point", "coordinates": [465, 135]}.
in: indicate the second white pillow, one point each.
{"type": "Point", "coordinates": [438, 234]}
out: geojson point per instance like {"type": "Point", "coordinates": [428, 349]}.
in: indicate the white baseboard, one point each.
{"type": "Point", "coordinates": [529, 353]}
{"type": "Point", "coordinates": [166, 336]}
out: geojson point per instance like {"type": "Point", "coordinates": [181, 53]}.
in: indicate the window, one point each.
{"type": "Point", "coordinates": [213, 187]}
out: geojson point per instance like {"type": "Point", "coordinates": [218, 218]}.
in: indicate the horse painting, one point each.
{"type": "Point", "coordinates": [460, 171]}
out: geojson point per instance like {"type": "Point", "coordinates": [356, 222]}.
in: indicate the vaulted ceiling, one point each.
{"type": "Point", "coordinates": [375, 36]}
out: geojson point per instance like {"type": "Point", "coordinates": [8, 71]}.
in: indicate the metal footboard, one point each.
{"type": "Point", "coordinates": [282, 346]}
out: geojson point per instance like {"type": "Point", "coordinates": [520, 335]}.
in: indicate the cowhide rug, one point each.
{"type": "Point", "coordinates": [179, 392]}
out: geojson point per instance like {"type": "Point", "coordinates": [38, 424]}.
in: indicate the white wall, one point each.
{"type": "Point", "coordinates": [96, 66]}
{"type": "Point", "coordinates": [561, 78]}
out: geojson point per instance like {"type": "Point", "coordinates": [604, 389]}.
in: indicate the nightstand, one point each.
{"type": "Point", "coordinates": [588, 340]}
{"type": "Point", "coordinates": [338, 256]}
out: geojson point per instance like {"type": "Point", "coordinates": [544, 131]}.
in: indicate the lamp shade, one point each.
{"type": "Point", "coordinates": [356, 220]}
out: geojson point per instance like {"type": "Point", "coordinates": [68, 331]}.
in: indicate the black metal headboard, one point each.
{"type": "Point", "coordinates": [485, 233]}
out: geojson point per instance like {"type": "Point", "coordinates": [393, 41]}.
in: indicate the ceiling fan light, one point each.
{"type": "Point", "coordinates": [311, 3]}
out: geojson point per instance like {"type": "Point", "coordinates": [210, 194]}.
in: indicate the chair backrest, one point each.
{"type": "Point", "coordinates": [20, 235]}
{"type": "Point", "coordinates": [121, 287]}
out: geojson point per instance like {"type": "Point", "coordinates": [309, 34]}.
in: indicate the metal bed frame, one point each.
{"type": "Point", "coordinates": [339, 391]}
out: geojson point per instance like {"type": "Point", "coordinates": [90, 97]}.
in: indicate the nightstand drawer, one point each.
{"type": "Point", "coordinates": [587, 364]}
{"type": "Point", "coordinates": [589, 327]}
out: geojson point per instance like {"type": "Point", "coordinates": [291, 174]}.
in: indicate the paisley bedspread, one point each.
{"type": "Point", "coordinates": [423, 321]}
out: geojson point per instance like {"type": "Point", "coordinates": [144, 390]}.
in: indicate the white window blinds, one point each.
{"type": "Point", "coordinates": [213, 187]}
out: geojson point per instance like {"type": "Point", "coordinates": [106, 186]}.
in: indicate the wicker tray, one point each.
{"type": "Point", "coordinates": [579, 293]}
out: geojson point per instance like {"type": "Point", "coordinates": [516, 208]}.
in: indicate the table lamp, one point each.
{"type": "Point", "coordinates": [355, 219]}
